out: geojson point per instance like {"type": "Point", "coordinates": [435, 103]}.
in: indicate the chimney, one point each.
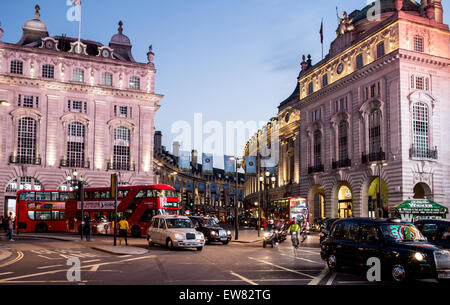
{"type": "Point", "coordinates": [438, 11]}
{"type": "Point", "coordinates": [309, 62]}
{"type": "Point", "coordinates": [157, 141]}
{"type": "Point", "coordinates": [176, 148]}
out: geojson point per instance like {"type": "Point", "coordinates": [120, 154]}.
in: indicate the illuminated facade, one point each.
{"type": "Point", "coordinates": [376, 105]}
{"type": "Point", "coordinates": [82, 106]}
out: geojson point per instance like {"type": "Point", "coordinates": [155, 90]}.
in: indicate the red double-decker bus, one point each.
{"type": "Point", "coordinates": [137, 204]}
{"type": "Point", "coordinates": [45, 211]}
{"type": "Point", "coordinates": [288, 208]}
{"type": "Point", "coordinates": [41, 211]}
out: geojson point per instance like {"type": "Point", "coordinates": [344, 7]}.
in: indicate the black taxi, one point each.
{"type": "Point", "coordinates": [437, 231]}
{"type": "Point", "coordinates": [211, 230]}
{"type": "Point", "coordinates": [403, 251]}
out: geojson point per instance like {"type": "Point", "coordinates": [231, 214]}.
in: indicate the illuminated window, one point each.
{"type": "Point", "coordinates": [343, 140]}
{"type": "Point", "coordinates": [75, 145]}
{"type": "Point", "coordinates": [421, 130]}
{"type": "Point", "coordinates": [121, 148]}
{"type": "Point", "coordinates": [16, 67]}
{"type": "Point", "coordinates": [26, 141]}
{"type": "Point", "coordinates": [78, 75]}
{"type": "Point", "coordinates": [310, 88]}
{"type": "Point", "coordinates": [375, 131]}
{"type": "Point", "coordinates": [317, 148]}
{"type": "Point", "coordinates": [135, 82]}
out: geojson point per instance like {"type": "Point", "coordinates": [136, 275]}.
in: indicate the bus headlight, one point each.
{"type": "Point", "coordinates": [419, 256]}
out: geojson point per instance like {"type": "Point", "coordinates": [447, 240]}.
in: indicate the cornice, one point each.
{"type": "Point", "coordinates": [17, 80]}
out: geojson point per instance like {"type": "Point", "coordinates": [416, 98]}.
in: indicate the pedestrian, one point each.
{"type": "Point", "coordinates": [87, 228]}
{"type": "Point", "coordinates": [10, 226]}
{"type": "Point", "coordinates": [5, 224]}
{"type": "Point", "coordinates": [124, 229]}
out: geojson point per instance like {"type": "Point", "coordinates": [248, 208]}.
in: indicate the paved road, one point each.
{"type": "Point", "coordinates": [42, 261]}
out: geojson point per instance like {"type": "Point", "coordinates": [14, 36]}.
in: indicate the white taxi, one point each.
{"type": "Point", "coordinates": [174, 232]}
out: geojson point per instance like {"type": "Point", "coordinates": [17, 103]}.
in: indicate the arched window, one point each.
{"type": "Point", "coordinates": [26, 141]}
{"type": "Point", "coordinates": [317, 148]}
{"type": "Point", "coordinates": [343, 140]}
{"type": "Point", "coordinates": [121, 148]}
{"type": "Point", "coordinates": [75, 145]}
{"type": "Point", "coordinates": [421, 138]}
{"type": "Point", "coordinates": [24, 183]}
{"type": "Point", "coordinates": [375, 132]}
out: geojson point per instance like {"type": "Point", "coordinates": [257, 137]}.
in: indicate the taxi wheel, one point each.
{"type": "Point", "coordinates": [332, 262]}
{"type": "Point", "coordinates": [225, 242]}
{"type": "Point", "coordinates": [199, 248]}
{"type": "Point", "coordinates": [170, 244]}
{"type": "Point", "coordinates": [150, 242]}
{"type": "Point", "coordinates": [398, 273]}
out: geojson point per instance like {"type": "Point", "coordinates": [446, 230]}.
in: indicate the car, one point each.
{"type": "Point", "coordinates": [173, 232]}
{"type": "Point", "coordinates": [437, 231]}
{"type": "Point", "coordinates": [210, 229]}
{"type": "Point", "coordinates": [327, 226]}
{"type": "Point", "coordinates": [403, 251]}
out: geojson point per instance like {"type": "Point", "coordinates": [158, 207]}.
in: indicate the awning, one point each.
{"type": "Point", "coordinates": [420, 206]}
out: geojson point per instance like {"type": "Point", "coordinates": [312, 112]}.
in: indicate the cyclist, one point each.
{"type": "Point", "coordinates": [294, 227]}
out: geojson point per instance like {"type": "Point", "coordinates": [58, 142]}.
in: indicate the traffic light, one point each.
{"type": "Point", "coordinates": [232, 201]}
{"type": "Point", "coordinates": [222, 196]}
{"type": "Point", "coordinates": [184, 198]}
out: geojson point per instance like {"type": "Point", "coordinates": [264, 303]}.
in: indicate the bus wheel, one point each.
{"type": "Point", "coordinates": [136, 231]}
{"type": "Point", "coordinates": [41, 228]}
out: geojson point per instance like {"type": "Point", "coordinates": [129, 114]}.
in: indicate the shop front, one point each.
{"type": "Point", "coordinates": [415, 209]}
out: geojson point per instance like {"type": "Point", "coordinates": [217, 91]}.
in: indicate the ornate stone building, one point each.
{"type": "Point", "coordinates": [375, 106]}
{"type": "Point", "coordinates": [70, 106]}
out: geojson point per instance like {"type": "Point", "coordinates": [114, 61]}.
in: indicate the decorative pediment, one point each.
{"type": "Point", "coordinates": [370, 105]}
{"type": "Point", "coordinates": [339, 117]}
{"type": "Point", "coordinates": [421, 96]}
{"type": "Point", "coordinates": [49, 43]}
{"type": "Point", "coordinates": [25, 112]}
{"type": "Point", "coordinates": [75, 117]}
{"type": "Point", "coordinates": [116, 122]}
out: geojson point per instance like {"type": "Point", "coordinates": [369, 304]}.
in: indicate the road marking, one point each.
{"type": "Point", "coordinates": [122, 256]}
{"type": "Point", "coordinates": [243, 278]}
{"type": "Point", "coordinates": [331, 279]}
{"type": "Point", "coordinates": [46, 267]}
{"type": "Point", "coordinates": [7, 280]}
{"type": "Point", "coordinates": [318, 278]}
{"type": "Point", "coordinates": [5, 273]}
{"type": "Point", "coordinates": [301, 258]}
{"type": "Point", "coordinates": [18, 258]}
{"type": "Point", "coordinates": [91, 261]}
{"type": "Point", "coordinates": [281, 267]}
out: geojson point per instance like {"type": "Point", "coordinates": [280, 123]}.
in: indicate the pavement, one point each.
{"type": "Point", "coordinates": [251, 236]}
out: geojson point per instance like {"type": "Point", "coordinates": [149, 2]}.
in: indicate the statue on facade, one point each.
{"type": "Point", "coordinates": [37, 14]}
{"type": "Point", "coordinates": [150, 54]}
{"type": "Point", "coordinates": [345, 24]}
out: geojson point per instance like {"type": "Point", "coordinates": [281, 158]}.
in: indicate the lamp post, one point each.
{"type": "Point", "coordinates": [380, 165]}
{"type": "Point", "coordinates": [78, 183]}
{"type": "Point", "coordinates": [236, 216]}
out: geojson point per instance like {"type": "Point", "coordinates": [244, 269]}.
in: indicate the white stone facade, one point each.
{"type": "Point", "coordinates": [114, 114]}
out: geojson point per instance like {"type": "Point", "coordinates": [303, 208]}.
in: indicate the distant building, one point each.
{"type": "Point", "coordinates": [84, 106]}
{"type": "Point", "coordinates": [199, 193]}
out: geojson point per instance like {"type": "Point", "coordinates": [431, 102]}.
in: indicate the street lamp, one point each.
{"type": "Point", "coordinates": [78, 182]}
{"type": "Point", "coordinates": [257, 226]}
{"type": "Point", "coordinates": [236, 221]}
{"type": "Point", "coordinates": [380, 165]}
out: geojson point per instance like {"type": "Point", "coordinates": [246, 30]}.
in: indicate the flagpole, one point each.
{"type": "Point", "coordinates": [79, 27]}
{"type": "Point", "coordinates": [322, 39]}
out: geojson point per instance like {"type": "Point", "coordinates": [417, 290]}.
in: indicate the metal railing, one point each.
{"type": "Point", "coordinates": [377, 156]}
{"type": "Point", "coordinates": [24, 160]}
{"type": "Point", "coordinates": [121, 166]}
{"type": "Point", "coordinates": [316, 168]}
{"type": "Point", "coordinates": [75, 163]}
{"type": "Point", "coordinates": [341, 163]}
{"type": "Point", "coordinates": [414, 152]}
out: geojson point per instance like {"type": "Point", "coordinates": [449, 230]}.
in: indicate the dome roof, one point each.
{"type": "Point", "coordinates": [35, 25]}
{"type": "Point", "coordinates": [120, 38]}
{"type": "Point", "coordinates": [387, 6]}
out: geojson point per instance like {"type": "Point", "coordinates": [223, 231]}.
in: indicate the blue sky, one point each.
{"type": "Point", "coordinates": [227, 59]}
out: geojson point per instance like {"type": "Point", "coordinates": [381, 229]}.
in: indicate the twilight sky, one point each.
{"type": "Point", "coordinates": [230, 60]}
